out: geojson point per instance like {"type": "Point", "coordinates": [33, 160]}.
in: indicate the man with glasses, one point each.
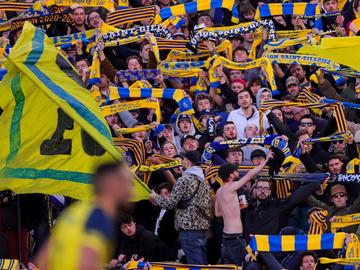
{"type": "Point", "coordinates": [339, 200]}
{"type": "Point", "coordinates": [267, 215]}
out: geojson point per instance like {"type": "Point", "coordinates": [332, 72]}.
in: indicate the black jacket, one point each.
{"type": "Point", "coordinates": [270, 216]}
{"type": "Point", "coordinates": [144, 243]}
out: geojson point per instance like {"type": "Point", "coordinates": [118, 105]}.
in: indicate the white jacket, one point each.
{"type": "Point", "coordinates": [240, 120]}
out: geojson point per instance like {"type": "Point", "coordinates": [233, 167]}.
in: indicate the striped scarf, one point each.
{"type": "Point", "coordinates": [9, 264]}
{"type": "Point", "coordinates": [200, 5]}
{"type": "Point", "coordinates": [149, 166]}
{"type": "Point", "coordinates": [338, 110]}
{"type": "Point", "coordinates": [212, 171]}
{"type": "Point", "coordinates": [216, 61]}
{"type": "Point", "coordinates": [291, 243]}
{"type": "Point", "coordinates": [318, 222]}
{"type": "Point", "coordinates": [178, 95]}
{"type": "Point", "coordinates": [305, 9]}
{"type": "Point", "coordinates": [131, 15]}
{"type": "Point", "coordinates": [136, 147]}
{"type": "Point", "coordinates": [14, 6]}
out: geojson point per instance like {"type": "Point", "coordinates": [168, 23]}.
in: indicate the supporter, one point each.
{"type": "Point", "coordinates": [292, 86]}
{"type": "Point", "coordinates": [234, 155]}
{"type": "Point", "coordinates": [227, 207]}
{"type": "Point", "coordinates": [191, 198]}
{"type": "Point", "coordinates": [307, 261]}
{"type": "Point", "coordinates": [266, 215]}
{"type": "Point", "coordinates": [251, 131]}
{"type": "Point", "coordinates": [229, 131]}
{"type": "Point", "coordinates": [135, 239]}
{"type": "Point", "coordinates": [78, 16]}
{"type": "Point", "coordinates": [339, 207]}
{"type": "Point", "coordinates": [246, 114]}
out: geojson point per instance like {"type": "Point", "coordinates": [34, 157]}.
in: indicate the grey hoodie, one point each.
{"type": "Point", "coordinates": [261, 90]}
{"type": "Point", "coordinates": [197, 171]}
{"type": "Point", "coordinates": [180, 134]}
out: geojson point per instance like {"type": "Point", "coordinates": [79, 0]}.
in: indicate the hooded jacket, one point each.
{"type": "Point", "coordinates": [180, 134]}
{"type": "Point", "coordinates": [197, 215]}
{"type": "Point", "coordinates": [258, 94]}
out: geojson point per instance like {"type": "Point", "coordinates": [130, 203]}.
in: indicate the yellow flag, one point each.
{"type": "Point", "coordinates": [342, 50]}
{"type": "Point", "coordinates": [52, 132]}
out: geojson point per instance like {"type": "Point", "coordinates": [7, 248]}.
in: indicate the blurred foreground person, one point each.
{"type": "Point", "coordinates": [82, 238]}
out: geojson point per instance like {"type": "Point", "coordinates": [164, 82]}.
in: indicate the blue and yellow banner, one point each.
{"type": "Point", "coordinates": [53, 133]}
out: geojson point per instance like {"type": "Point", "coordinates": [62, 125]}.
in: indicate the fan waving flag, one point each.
{"type": "Point", "coordinates": [53, 134]}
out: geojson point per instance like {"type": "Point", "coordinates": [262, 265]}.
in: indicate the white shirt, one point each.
{"type": "Point", "coordinates": [161, 215]}
{"type": "Point", "coordinates": [240, 120]}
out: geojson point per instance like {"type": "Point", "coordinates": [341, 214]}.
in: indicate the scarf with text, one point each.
{"type": "Point", "coordinates": [344, 221]}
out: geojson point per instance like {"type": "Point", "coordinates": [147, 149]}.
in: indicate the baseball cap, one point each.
{"type": "Point", "coordinates": [184, 117]}
{"type": "Point", "coordinates": [207, 112]}
{"type": "Point", "coordinates": [257, 153]}
{"type": "Point", "coordinates": [291, 80]}
{"type": "Point", "coordinates": [184, 138]}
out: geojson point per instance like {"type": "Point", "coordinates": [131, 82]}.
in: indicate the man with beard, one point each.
{"type": "Point", "coordinates": [78, 16]}
{"type": "Point", "coordinates": [267, 215]}
{"type": "Point", "coordinates": [83, 236]}
{"type": "Point", "coordinates": [230, 132]}
{"type": "Point", "coordinates": [246, 114]}
{"type": "Point", "coordinates": [227, 206]}
{"type": "Point", "coordinates": [191, 199]}
{"type": "Point", "coordinates": [298, 72]}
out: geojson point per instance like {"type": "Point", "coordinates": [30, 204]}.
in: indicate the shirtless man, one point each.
{"type": "Point", "coordinates": [227, 206]}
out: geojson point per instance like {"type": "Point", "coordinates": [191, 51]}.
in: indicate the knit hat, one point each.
{"type": "Point", "coordinates": [337, 189]}
{"type": "Point", "coordinates": [193, 156]}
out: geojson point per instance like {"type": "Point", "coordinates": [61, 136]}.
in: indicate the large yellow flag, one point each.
{"type": "Point", "coordinates": [342, 50]}
{"type": "Point", "coordinates": [52, 132]}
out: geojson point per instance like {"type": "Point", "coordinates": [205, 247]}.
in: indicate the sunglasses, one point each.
{"type": "Point", "coordinates": [305, 124]}
{"type": "Point", "coordinates": [337, 142]}
{"type": "Point", "coordinates": [339, 195]}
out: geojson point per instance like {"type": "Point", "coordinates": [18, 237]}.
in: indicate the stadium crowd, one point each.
{"type": "Point", "coordinates": [214, 184]}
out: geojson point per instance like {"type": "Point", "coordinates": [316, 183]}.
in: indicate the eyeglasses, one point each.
{"type": "Point", "coordinates": [338, 195]}
{"type": "Point", "coordinates": [338, 142]}
{"type": "Point", "coordinates": [306, 124]}
{"type": "Point", "coordinates": [263, 188]}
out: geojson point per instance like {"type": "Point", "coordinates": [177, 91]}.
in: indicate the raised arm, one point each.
{"type": "Point", "coordinates": [250, 174]}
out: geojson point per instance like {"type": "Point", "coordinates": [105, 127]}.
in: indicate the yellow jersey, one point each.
{"type": "Point", "coordinates": [83, 224]}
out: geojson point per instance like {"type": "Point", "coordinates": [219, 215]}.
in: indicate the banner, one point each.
{"type": "Point", "coordinates": [53, 133]}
